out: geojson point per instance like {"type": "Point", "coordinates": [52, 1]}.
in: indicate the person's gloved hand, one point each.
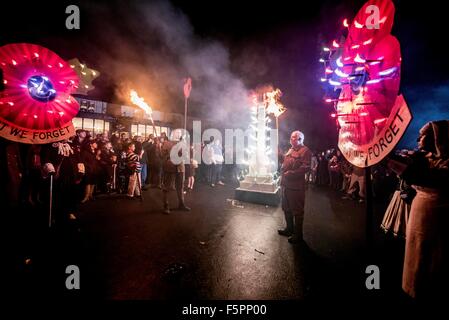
{"type": "Point", "coordinates": [48, 169]}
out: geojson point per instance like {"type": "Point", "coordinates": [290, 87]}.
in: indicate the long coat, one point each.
{"type": "Point", "coordinates": [426, 262]}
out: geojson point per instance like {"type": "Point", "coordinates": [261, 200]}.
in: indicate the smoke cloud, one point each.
{"type": "Point", "coordinates": [170, 52]}
{"type": "Point", "coordinates": [428, 103]}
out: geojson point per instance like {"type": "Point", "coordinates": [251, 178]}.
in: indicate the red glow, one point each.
{"type": "Point", "coordinates": [358, 25]}
{"type": "Point", "coordinates": [25, 60]}
{"type": "Point", "coordinates": [363, 114]}
{"type": "Point", "coordinates": [377, 121]}
{"type": "Point", "coordinates": [359, 59]}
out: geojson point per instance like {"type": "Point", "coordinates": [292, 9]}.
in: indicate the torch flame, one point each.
{"type": "Point", "coordinates": [271, 99]}
{"type": "Point", "coordinates": [138, 101]}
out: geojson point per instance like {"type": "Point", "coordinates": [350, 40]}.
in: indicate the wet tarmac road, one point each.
{"type": "Point", "coordinates": [129, 249]}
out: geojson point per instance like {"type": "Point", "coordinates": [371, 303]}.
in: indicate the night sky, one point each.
{"type": "Point", "coordinates": [258, 43]}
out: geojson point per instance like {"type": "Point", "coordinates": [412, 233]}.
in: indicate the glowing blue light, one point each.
{"type": "Point", "coordinates": [334, 83]}
{"type": "Point", "coordinates": [339, 63]}
{"type": "Point", "coordinates": [41, 88]}
{"type": "Point", "coordinates": [341, 74]}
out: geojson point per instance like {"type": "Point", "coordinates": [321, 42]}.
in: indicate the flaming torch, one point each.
{"type": "Point", "coordinates": [140, 102]}
{"type": "Point", "coordinates": [274, 106]}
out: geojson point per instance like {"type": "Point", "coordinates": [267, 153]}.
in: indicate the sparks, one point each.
{"type": "Point", "coordinates": [345, 23]}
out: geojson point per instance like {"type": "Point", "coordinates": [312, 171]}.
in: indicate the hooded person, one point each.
{"type": "Point", "coordinates": [426, 253]}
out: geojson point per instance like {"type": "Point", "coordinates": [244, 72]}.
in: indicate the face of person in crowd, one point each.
{"type": "Point", "coordinates": [82, 134]}
{"type": "Point", "coordinates": [294, 139]}
{"type": "Point", "coordinates": [132, 147]}
{"type": "Point", "coordinates": [108, 146]}
{"type": "Point", "coordinates": [424, 142]}
{"type": "Point", "coordinates": [93, 145]}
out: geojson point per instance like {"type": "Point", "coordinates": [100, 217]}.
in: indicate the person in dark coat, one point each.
{"type": "Point", "coordinates": [90, 158]}
{"type": "Point", "coordinates": [294, 167]}
{"type": "Point", "coordinates": [173, 177]}
{"type": "Point", "coordinates": [155, 163]}
{"type": "Point", "coordinates": [59, 160]}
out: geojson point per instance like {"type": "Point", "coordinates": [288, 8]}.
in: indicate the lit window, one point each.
{"type": "Point", "coordinates": [99, 126]}
{"type": "Point", "coordinates": [88, 124]}
{"type": "Point", "coordinates": [106, 127]}
{"type": "Point", "coordinates": [134, 130]}
{"type": "Point", "coordinates": [141, 130]}
{"type": "Point", "coordinates": [150, 130]}
{"type": "Point", "coordinates": [77, 123]}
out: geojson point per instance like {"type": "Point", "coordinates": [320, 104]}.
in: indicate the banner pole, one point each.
{"type": "Point", "coordinates": [369, 207]}
{"type": "Point", "coordinates": [185, 115]}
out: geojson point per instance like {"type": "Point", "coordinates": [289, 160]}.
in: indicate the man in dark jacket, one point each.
{"type": "Point", "coordinates": [173, 177]}
{"type": "Point", "coordinates": [296, 164]}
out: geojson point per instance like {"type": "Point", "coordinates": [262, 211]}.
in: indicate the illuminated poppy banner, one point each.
{"type": "Point", "coordinates": [364, 67]}
{"type": "Point", "coordinates": [36, 106]}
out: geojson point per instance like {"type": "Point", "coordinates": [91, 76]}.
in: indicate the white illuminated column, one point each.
{"type": "Point", "coordinates": [261, 158]}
